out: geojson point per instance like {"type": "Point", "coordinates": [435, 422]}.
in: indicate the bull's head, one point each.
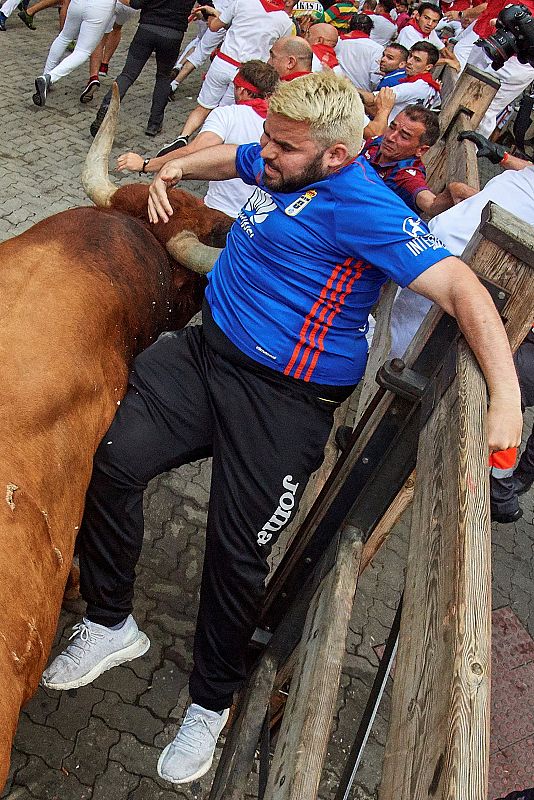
{"type": "Point", "coordinates": [191, 223]}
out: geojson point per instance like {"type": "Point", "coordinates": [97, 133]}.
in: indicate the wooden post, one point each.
{"type": "Point", "coordinates": [464, 109]}
{"type": "Point", "coordinates": [303, 739]}
{"type": "Point", "coordinates": [438, 742]}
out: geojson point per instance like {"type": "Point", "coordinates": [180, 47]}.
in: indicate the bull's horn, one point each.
{"type": "Point", "coordinates": [185, 248]}
{"type": "Point", "coordinates": [95, 180]}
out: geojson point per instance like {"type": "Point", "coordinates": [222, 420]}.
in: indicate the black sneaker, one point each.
{"type": "Point", "coordinates": [42, 85]}
{"type": "Point", "coordinates": [181, 141]}
{"type": "Point", "coordinates": [98, 120]}
{"type": "Point", "coordinates": [152, 129]}
{"type": "Point", "coordinates": [3, 19]}
{"type": "Point", "coordinates": [522, 481]}
{"type": "Point", "coordinates": [505, 518]}
{"type": "Point", "coordinates": [87, 94]}
{"type": "Point", "coordinates": [27, 19]}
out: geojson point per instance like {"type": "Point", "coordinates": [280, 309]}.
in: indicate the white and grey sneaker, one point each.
{"type": "Point", "coordinates": [92, 650]}
{"type": "Point", "coordinates": [190, 754]}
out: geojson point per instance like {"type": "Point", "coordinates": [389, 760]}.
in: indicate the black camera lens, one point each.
{"type": "Point", "coordinates": [500, 46]}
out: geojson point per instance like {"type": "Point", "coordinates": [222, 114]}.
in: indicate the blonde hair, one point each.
{"type": "Point", "coordinates": [330, 104]}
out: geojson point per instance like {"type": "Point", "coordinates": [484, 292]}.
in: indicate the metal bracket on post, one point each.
{"type": "Point", "coordinates": [395, 376]}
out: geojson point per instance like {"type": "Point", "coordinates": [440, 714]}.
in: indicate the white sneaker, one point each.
{"type": "Point", "coordinates": [190, 754]}
{"type": "Point", "coordinates": [91, 651]}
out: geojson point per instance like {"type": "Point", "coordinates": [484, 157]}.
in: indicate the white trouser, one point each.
{"type": "Point", "coordinates": [217, 87]}
{"type": "Point", "coordinates": [9, 6]}
{"type": "Point", "coordinates": [514, 78]}
{"type": "Point", "coordinates": [121, 15]}
{"type": "Point", "coordinates": [86, 22]}
{"type": "Point", "coordinates": [206, 46]}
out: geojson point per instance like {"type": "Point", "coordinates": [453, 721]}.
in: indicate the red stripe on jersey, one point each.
{"type": "Point", "coordinates": [302, 335]}
{"type": "Point", "coordinates": [322, 315]}
{"type": "Point", "coordinates": [359, 268]}
{"type": "Point", "coordinates": [319, 322]}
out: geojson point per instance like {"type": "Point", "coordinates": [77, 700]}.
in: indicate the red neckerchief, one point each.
{"type": "Point", "coordinates": [273, 5]}
{"type": "Point", "coordinates": [326, 54]}
{"type": "Point", "coordinates": [355, 35]}
{"type": "Point", "coordinates": [294, 75]}
{"type": "Point", "coordinates": [259, 104]}
{"type": "Point", "coordinates": [414, 24]}
{"type": "Point", "coordinates": [423, 76]}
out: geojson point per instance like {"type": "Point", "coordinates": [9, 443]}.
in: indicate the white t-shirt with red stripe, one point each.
{"type": "Point", "coordinates": [254, 26]}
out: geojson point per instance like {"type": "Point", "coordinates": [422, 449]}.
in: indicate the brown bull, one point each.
{"type": "Point", "coordinates": [80, 294]}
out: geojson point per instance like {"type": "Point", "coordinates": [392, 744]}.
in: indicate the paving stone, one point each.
{"type": "Point", "coordinates": [47, 784]}
{"type": "Point", "coordinates": [90, 755]}
{"type": "Point", "coordinates": [45, 742]}
{"type": "Point", "coordinates": [149, 790]}
{"type": "Point", "coordinates": [41, 705]}
{"type": "Point", "coordinates": [162, 694]}
{"type": "Point", "coordinates": [124, 682]}
{"type": "Point", "coordinates": [136, 757]}
{"type": "Point", "coordinates": [115, 782]}
{"type": "Point", "coordinates": [127, 717]}
{"type": "Point", "coordinates": [74, 710]}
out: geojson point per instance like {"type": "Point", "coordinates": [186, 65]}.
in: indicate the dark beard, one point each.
{"type": "Point", "coordinates": [314, 172]}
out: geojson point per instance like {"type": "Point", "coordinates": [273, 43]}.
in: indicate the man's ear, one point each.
{"type": "Point", "coordinates": [421, 150]}
{"type": "Point", "coordinates": [336, 155]}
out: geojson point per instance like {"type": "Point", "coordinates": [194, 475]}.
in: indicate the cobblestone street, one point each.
{"type": "Point", "coordinates": [102, 741]}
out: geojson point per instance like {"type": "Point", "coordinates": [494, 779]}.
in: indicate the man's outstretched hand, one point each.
{"type": "Point", "coordinates": [485, 149]}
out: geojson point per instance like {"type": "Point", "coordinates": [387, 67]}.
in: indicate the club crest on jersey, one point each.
{"type": "Point", "coordinates": [261, 204]}
{"type": "Point", "coordinates": [300, 203]}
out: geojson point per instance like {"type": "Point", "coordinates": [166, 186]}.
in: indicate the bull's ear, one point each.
{"type": "Point", "coordinates": [95, 177]}
{"type": "Point", "coordinates": [185, 248]}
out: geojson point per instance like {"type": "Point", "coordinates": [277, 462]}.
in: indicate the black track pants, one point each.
{"type": "Point", "coordinates": [185, 402]}
{"type": "Point", "coordinates": [148, 39]}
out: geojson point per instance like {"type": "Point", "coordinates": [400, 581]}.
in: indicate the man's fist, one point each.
{"type": "Point", "coordinates": [485, 149]}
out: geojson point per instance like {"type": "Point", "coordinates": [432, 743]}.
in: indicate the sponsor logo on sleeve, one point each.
{"type": "Point", "coordinates": [421, 240]}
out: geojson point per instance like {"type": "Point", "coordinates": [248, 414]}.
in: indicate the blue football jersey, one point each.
{"type": "Point", "coordinates": [300, 272]}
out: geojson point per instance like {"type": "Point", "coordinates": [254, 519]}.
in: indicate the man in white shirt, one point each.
{"type": "Point", "coordinates": [421, 27]}
{"type": "Point", "coordinates": [358, 54]}
{"type": "Point", "coordinates": [418, 87]}
{"type": "Point", "coordinates": [384, 28]}
{"type": "Point", "coordinates": [240, 123]}
{"type": "Point", "coordinates": [253, 26]}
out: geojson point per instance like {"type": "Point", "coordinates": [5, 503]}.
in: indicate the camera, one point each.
{"type": "Point", "coordinates": [514, 37]}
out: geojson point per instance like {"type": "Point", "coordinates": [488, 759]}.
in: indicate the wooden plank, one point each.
{"type": "Point", "coordinates": [303, 739]}
{"type": "Point", "coordinates": [512, 270]}
{"type": "Point", "coordinates": [473, 92]}
{"type": "Point", "coordinates": [237, 759]}
{"type": "Point", "coordinates": [380, 346]}
{"type": "Point", "coordinates": [461, 157]}
{"type": "Point", "coordinates": [388, 522]}
{"type": "Point", "coordinates": [434, 715]}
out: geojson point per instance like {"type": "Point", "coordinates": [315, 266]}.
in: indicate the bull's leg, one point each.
{"type": "Point", "coordinates": [163, 421]}
{"type": "Point", "coordinates": [268, 439]}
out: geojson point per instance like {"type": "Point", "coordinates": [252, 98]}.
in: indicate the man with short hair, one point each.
{"type": "Point", "coordinates": [421, 27]}
{"type": "Point", "coordinates": [291, 57]}
{"type": "Point", "coordinates": [384, 28]}
{"type": "Point", "coordinates": [396, 157]}
{"type": "Point", "coordinates": [358, 54]}
{"type": "Point", "coordinates": [417, 87]}
{"type": "Point", "coordinates": [392, 65]}
{"type": "Point", "coordinates": [282, 343]}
